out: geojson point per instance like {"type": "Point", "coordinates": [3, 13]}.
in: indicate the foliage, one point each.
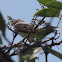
{"type": "Point", "coordinates": [48, 12]}
{"type": "Point", "coordinates": [2, 24]}
{"type": "Point", "coordinates": [53, 9]}
{"type": "Point", "coordinates": [55, 53]}
{"type": "Point", "coordinates": [45, 1]}
{"type": "Point", "coordinates": [54, 4]}
{"type": "Point", "coordinates": [0, 41]}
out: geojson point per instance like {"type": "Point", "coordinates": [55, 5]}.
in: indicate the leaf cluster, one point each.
{"type": "Point", "coordinates": [52, 10]}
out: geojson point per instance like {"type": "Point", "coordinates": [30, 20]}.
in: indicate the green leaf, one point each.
{"type": "Point", "coordinates": [36, 52]}
{"type": "Point", "coordinates": [30, 54]}
{"type": "Point", "coordinates": [48, 12]}
{"type": "Point", "coordinates": [57, 54]}
{"type": "Point", "coordinates": [54, 4]}
{"type": "Point", "coordinates": [2, 24]}
{"type": "Point", "coordinates": [0, 40]}
{"type": "Point", "coordinates": [27, 54]}
{"type": "Point", "coordinates": [45, 1]}
{"type": "Point", "coordinates": [33, 60]}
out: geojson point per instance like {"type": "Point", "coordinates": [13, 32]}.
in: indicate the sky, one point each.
{"type": "Point", "coordinates": [25, 9]}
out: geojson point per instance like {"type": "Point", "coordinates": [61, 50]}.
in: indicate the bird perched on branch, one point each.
{"type": "Point", "coordinates": [23, 28]}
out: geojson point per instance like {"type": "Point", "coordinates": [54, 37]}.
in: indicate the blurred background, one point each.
{"type": "Point", "coordinates": [25, 9]}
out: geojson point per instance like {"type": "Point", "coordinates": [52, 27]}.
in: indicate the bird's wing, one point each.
{"type": "Point", "coordinates": [23, 27]}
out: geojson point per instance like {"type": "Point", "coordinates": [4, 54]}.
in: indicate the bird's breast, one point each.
{"type": "Point", "coordinates": [22, 34]}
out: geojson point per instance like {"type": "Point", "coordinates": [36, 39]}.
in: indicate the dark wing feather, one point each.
{"type": "Point", "coordinates": [23, 28]}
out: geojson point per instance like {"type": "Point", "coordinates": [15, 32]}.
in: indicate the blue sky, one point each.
{"type": "Point", "coordinates": [24, 9]}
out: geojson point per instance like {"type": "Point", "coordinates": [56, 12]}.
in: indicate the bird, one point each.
{"type": "Point", "coordinates": [23, 28]}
